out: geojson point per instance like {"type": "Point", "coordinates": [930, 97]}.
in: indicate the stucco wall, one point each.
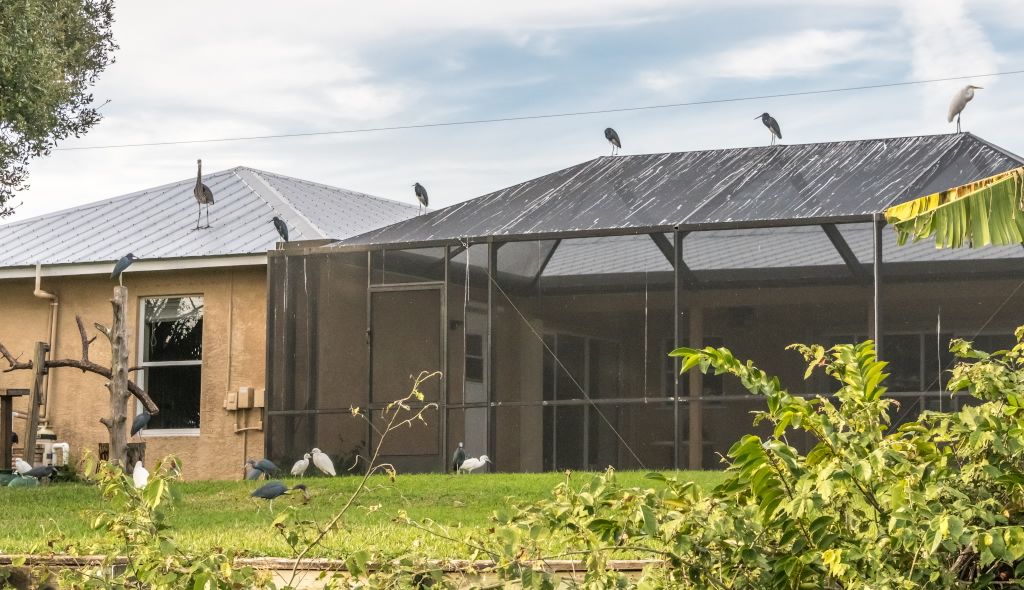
{"type": "Point", "coordinates": [234, 344]}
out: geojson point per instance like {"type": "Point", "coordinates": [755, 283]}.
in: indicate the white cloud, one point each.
{"type": "Point", "coordinates": [797, 54]}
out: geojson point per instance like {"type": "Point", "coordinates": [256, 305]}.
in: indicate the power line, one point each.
{"type": "Point", "coordinates": [544, 116]}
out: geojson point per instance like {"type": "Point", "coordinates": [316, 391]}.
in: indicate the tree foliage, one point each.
{"type": "Point", "coordinates": [51, 52]}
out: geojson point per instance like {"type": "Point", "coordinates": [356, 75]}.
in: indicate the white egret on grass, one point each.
{"type": "Point", "coordinates": [21, 467]}
{"type": "Point", "coordinates": [472, 464]}
{"type": "Point", "coordinates": [323, 462]}
{"type": "Point", "coordinates": [300, 467]}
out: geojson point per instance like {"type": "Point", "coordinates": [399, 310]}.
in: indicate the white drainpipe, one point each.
{"type": "Point", "coordinates": [54, 307]}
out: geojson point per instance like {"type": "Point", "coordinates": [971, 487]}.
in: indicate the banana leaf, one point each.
{"type": "Point", "coordinates": [983, 213]}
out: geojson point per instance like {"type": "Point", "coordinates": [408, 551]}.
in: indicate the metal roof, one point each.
{"type": "Point", "coordinates": [159, 223]}
{"type": "Point", "coordinates": [742, 187]}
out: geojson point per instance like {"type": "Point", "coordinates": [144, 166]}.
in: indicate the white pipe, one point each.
{"type": "Point", "coordinates": [54, 308]}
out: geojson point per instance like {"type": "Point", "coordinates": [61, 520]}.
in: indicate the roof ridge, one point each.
{"type": "Point", "coordinates": [274, 197]}
{"type": "Point", "coordinates": [330, 187]}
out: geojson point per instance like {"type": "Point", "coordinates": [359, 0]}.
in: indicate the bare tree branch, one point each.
{"type": "Point", "coordinates": [83, 364]}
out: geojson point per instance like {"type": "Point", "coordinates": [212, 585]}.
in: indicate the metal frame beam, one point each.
{"type": "Point", "coordinates": [544, 263]}
{"type": "Point", "coordinates": [845, 252]}
{"type": "Point", "coordinates": [668, 250]}
{"type": "Point", "coordinates": [878, 329]}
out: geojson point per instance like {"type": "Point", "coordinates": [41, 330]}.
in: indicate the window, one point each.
{"type": "Point", "coordinates": [475, 358]}
{"type": "Point", "coordinates": [171, 357]}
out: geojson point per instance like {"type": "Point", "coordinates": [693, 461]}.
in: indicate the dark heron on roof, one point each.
{"type": "Point", "coordinates": [275, 489]}
{"type": "Point", "coordinates": [140, 422]}
{"type": "Point", "coordinates": [203, 195]}
{"type": "Point", "coordinates": [772, 125]}
{"type": "Point", "coordinates": [613, 138]}
{"type": "Point", "coordinates": [264, 466]}
{"type": "Point", "coordinates": [960, 100]}
{"type": "Point", "coordinates": [421, 196]}
{"type": "Point", "coordinates": [458, 458]}
{"type": "Point", "coordinates": [121, 265]}
{"type": "Point", "coordinates": [281, 227]}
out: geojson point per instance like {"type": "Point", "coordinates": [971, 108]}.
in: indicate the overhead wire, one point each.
{"type": "Point", "coordinates": [543, 115]}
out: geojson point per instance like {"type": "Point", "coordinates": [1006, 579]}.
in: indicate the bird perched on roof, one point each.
{"type": "Point", "coordinates": [140, 475]}
{"type": "Point", "coordinates": [613, 138]}
{"type": "Point", "coordinates": [46, 471]}
{"type": "Point", "coordinates": [421, 196]}
{"type": "Point", "coordinates": [300, 467]}
{"type": "Point", "coordinates": [21, 467]}
{"type": "Point", "coordinates": [275, 489]}
{"type": "Point", "coordinates": [472, 464]}
{"type": "Point", "coordinates": [772, 125]}
{"type": "Point", "coordinates": [140, 422]}
{"type": "Point", "coordinates": [121, 265]}
{"type": "Point", "coordinates": [458, 458]}
{"type": "Point", "coordinates": [960, 100]}
{"type": "Point", "coordinates": [264, 466]}
{"type": "Point", "coordinates": [323, 462]}
{"type": "Point", "coordinates": [281, 227]}
{"type": "Point", "coordinates": [203, 195]}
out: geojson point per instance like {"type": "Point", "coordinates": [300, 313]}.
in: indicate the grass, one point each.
{"type": "Point", "coordinates": [221, 514]}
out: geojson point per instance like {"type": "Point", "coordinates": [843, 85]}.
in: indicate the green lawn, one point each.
{"type": "Point", "coordinates": [221, 514]}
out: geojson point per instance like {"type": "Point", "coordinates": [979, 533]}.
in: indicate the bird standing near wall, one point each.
{"type": "Point", "coordinates": [203, 195]}
{"type": "Point", "coordinates": [472, 464]}
{"type": "Point", "coordinates": [300, 467]}
{"type": "Point", "coordinates": [959, 102]}
{"type": "Point", "coordinates": [458, 458]}
{"type": "Point", "coordinates": [772, 125]}
{"type": "Point", "coordinates": [264, 466]}
{"type": "Point", "coordinates": [421, 196]}
{"type": "Point", "coordinates": [121, 265]}
{"type": "Point", "coordinates": [140, 422]}
{"type": "Point", "coordinates": [21, 467]}
{"type": "Point", "coordinates": [323, 462]}
{"type": "Point", "coordinates": [613, 138]}
{"type": "Point", "coordinates": [140, 475]}
{"type": "Point", "coordinates": [275, 489]}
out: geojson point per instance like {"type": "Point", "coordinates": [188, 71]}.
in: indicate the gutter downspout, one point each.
{"type": "Point", "coordinates": [54, 308]}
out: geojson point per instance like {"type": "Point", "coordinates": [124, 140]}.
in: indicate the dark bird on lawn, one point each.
{"type": "Point", "coordinates": [613, 138]}
{"type": "Point", "coordinates": [421, 196]}
{"type": "Point", "coordinates": [772, 125]}
{"type": "Point", "coordinates": [960, 100]}
{"type": "Point", "coordinates": [140, 422]}
{"type": "Point", "coordinates": [251, 473]}
{"type": "Point", "coordinates": [203, 195]}
{"type": "Point", "coordinates": [275, 489]}
{"type": "Point", "coordinates": [121, 265]}
{"type": "Point", "coordinates": [281, 227]}
{"type": "Point", "coordinates": [264, 466]}
{"type": "Point", "coordinates": [41, 472]}
{"type": "Point", "coordinates": [458, 458]}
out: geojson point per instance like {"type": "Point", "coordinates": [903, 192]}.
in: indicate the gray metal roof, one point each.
{"type": "Point", "coordinates": [743, 187]}
{"type": "Point", "coordinates": [158, 223]}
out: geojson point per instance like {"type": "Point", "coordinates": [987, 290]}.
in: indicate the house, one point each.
{"type": "Point", "coordinates": [197, 303]}
{"type": "Point", "coordinates": [550, 306]}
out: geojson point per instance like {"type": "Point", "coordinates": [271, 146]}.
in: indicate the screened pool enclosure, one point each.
{"type": "Point", "coordinates": [549, 307]}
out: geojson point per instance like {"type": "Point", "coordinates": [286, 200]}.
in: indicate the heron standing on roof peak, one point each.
{"type": "Point", "coordinates": [203, 195]}
{"type": "Point", "coordinates": [772, 125]}
{"type": "Point", "coordinates": [613, 138]}
{"type": "Point", "coordinates": [960, 100]}
{"type": "Point", "coordinates": [421, 196]}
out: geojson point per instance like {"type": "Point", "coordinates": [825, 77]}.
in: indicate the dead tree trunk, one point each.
{"type": "Point", "coordinates": [118, 384]}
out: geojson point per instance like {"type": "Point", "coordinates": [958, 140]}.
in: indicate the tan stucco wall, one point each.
{"type": "Point", "coordinates": [234, 349]}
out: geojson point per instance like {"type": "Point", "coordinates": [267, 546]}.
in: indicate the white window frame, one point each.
{"type": "Point", "coordinates": [141, 379]}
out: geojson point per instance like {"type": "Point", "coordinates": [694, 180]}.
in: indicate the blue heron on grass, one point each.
{"type": "Point", "coordinates": [281, 227]}
{"type": "Point", "coordinates": [261, 466]}
{"type": "Point", "coordinates": [458, 458]}
{"type": "Point", "coordinates": [121, 265]}
{"type": "Point", "coordinates": [275, 489]}
{"type": "Point", "coordinates": [772, 125]}
{"type": "Point", "coordinates": [613, 138]}
{"type": "Point", "coordinates": [46, 471]}
{"type": "Point", "coordinates": [421, 196]}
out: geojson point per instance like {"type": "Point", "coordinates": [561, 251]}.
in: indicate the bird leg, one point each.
{"type": "Point", "coordinates": [958, 122]}
{"type": "Point", "coordinates": [207, 216]}
{"type": "Point", "coordinates": [199, 217]}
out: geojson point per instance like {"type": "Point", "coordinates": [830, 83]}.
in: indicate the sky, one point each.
{"type": "Point", "coordinates": [198, 70]}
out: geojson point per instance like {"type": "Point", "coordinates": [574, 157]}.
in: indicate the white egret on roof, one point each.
{"type": "Point", "coordinates": [960, 100]}
{"type": "Point", "coordinates": [473, 463]}
{"type": "Point", "coordinates": [323, 462]}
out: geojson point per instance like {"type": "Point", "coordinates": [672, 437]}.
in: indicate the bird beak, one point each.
{"type": "Point", "coordinates": [758, 117]}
